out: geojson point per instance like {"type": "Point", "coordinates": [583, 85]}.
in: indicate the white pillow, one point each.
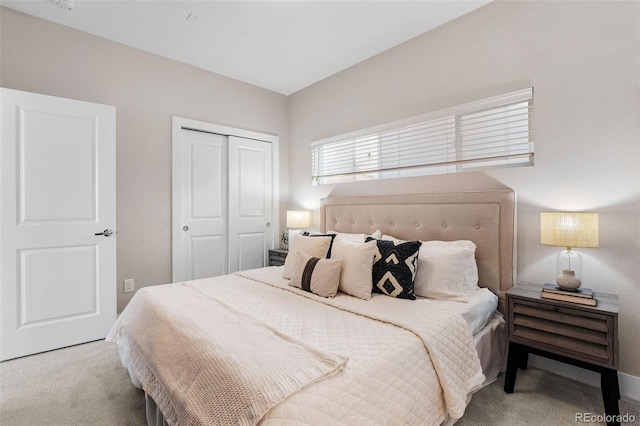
{"type": "Point", "coordinates": [292, 232]}
{"type": "Point", "coordinates": [356, 238]}
{"type": "Point", "coordinates": [440, 274]}
{"type": "Point", "coordinates": [445, 269]}
{"type": "Point", "coordinates": [357, 264]}
{"type": "Point", "coordinates": [468, 251]}
{"type": "Point", "coordinates": [313, 246]}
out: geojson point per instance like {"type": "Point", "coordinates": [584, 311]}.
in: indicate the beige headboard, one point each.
{"type": "Point", "coordinates": [486, 218]}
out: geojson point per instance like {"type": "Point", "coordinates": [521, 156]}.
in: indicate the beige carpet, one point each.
{"type": "Point", "coordinates": [87, 385]}
{"type": "Point", "coordinates": [79, 385]}
{"type": "Point", "coordinates": [539, 398]}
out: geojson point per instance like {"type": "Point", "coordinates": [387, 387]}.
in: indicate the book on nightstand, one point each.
{"type": "Point", "coordinates": [579, 292]}
{"type": "Point", "coordinates": [581, 296]}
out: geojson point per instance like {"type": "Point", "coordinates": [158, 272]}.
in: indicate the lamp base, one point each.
{"type": "Point", "coordinates": [567, 280]}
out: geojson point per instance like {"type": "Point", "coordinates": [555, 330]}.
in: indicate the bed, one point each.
{"type": "Point", "coordinates": [199, 348]}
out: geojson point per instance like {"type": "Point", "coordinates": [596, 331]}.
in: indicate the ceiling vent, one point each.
{"type": "Point", "coordinates": [192, 17]}
{"type": "Point", "coordinates": [63, 4]}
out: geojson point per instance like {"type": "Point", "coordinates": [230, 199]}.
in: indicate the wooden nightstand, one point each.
{"type": "Point", "coordinates": [277, 256]}
{"type": "Point", "coordinates": [579, 335]}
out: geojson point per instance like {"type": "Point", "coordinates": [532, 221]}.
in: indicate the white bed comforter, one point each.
{"type": "Point", "coordinates": [409, 362]}
{"type": "Point", "coordinates": [188, 350]}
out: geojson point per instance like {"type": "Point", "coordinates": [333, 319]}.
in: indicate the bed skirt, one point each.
{"type": "Point", "coordinates": [491, 345]}
{"type": "Point", "coordinates": [154, 415]}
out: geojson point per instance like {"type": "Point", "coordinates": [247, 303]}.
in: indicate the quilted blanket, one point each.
{"type": "Point", "coordinates": [409, 362]}
{"type": "Point", "coordinates": [205, 363]}
{"type": "Point", "coordinates": [445, 335]}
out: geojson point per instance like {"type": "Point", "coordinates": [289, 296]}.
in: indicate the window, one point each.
{"type": "Point", "coordinates": [492, 132]}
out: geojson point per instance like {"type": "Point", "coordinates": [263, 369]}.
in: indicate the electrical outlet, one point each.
{"type": "Point", "coordinates": [129, 285]}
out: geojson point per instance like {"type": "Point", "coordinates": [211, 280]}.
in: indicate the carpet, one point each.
{"type": "Point", "coordinates": [79, 385]}
{"type": "Point", "coordinates": [87, 385]}
{"type": "Point", "coordinates": [541, 398]}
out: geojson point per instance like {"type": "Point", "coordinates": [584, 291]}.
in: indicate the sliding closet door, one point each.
{"type": "Point", "coordinates": [250, 195]}
{"type": "Point", "coordinates": [222, 202]}
{"type": "Point", "coordinates": [199, 205]}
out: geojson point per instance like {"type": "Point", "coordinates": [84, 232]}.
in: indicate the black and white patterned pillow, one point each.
{"type": "Point", "coordinates": [394, 268]}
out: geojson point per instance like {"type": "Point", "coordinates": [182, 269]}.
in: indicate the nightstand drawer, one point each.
{"type": "Point", "coordinates": [565, 331]}
{"type": "Point", "coordinates": [277, 257]}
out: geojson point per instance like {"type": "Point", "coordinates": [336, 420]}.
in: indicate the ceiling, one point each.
{"type": "Point", "coordinates": [282, 46]}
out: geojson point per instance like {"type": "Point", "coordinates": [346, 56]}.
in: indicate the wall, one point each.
{"type": "Point", "coordinates": [583, 60]}
{"type": "Point", "coordinates": [43, 57]}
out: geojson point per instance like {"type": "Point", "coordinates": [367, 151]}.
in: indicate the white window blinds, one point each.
{"type": "Point", "coordinates": [496, 131]}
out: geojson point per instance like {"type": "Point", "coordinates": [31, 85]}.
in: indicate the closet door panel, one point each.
{"type": "Point", "coordinates": [250, 194]}
{"type": "Point", "coordinates": [200, 230]}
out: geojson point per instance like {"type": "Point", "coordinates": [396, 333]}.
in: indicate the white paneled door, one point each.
{"type": "Point", "coordinates": [200, 203]}
{"type": "Point", "coordinates": [57, 222]}
{"type": "Point", "coordinates": [222, 203]}
{"type": "Point", "coordinates": [250, 195]}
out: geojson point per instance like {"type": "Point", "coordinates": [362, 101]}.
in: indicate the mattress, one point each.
{"type": "Point", "coordinates": [394, 375]}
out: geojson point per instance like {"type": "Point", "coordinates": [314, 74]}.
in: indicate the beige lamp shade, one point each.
{"type": "Point", "coordinates": [298, 219]}
{"type": "Point", "coordinates": [569, 229]}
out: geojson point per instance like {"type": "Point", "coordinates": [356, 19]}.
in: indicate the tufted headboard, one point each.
{"type": "Point", "coordinates": [487, 218]}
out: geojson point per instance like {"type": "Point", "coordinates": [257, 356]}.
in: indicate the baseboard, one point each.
{"type": "Point", "coordinates": [629, 385]}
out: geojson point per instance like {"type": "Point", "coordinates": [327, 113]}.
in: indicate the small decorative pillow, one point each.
{"type": "Point", "coordinates": [355, 278]}
{"type": "Point", "coordinates": [315, 275]}
{"type": "Point", "coordinates": [313, 246]}
{"type": "Point", "coordinates": [394, 268]}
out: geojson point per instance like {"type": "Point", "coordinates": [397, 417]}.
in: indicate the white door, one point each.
{"type": "Point", "coordinates": [250, 197]}
{"type": "Point", "coordinates": [199, 205]}
{"type": "Point", "coordinates": [57, 181]}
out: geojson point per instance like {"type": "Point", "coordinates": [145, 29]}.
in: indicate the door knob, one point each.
{"type": "Point", "coordinates": [185, 228]}
{"type": "Point", "coordinates": [106, 233]}
{"type": "Point", "coordinates": [268, 224]}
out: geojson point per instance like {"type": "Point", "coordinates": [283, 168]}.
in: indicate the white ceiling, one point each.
{"type": "Point", "coordinates": [282, 46]}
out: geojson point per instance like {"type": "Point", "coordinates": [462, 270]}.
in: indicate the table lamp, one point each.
{"type": "Point", "coordinates": [569, 229]}
{"type": "Point", "coordinates": [296, 220]}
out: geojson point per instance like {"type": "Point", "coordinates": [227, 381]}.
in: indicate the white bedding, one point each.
{"type": "Point", "coordinates": [477, 311]}
{"type": "Point", "coordinates": [388, 379]}
{"type": "Point", "coordinates": [187, 349]}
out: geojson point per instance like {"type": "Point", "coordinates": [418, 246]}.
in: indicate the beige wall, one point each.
{"type": "Point", "coordinates": [43, 57]}
{"type": "Point", "coordinates": [583, 61]}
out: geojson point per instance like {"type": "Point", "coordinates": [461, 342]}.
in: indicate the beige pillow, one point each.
{"type": "Point", "coordinates": [315, 275]}
{"type": "Point", "coordinates": [356, 276]}
{"type": "Point", "coordinates": [356, 238]}
{"type": "Point", "coordinates": [313, 246]}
